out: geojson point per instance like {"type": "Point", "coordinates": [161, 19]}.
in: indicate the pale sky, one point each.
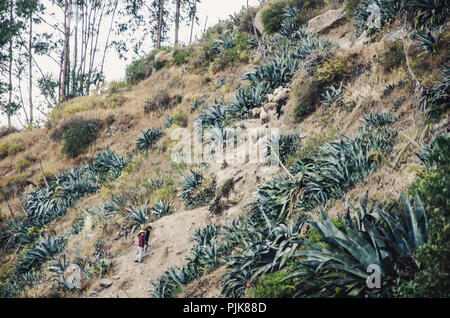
{"type": "Point", "coordinates": [213, 10]}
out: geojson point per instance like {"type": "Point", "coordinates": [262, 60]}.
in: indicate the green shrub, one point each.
{"type": "Point", "coordinates": [180, 56]}
{"type": "Point", "coordinates": [433, 187]}
{"type": "Point", "coordinates": [350, 6]}
{"type": "Point", "coordinates": [79, 136]}
{"type": "Point", "coordinates": [180, 118]}
{"type": "Point", "coordinates": [22, 164]}
{"type": "Point", "coordinates": [159, 102]}
{"type": "Point", "coordinates": [272, 16]}
{"type": "Point", "coordinates": [309, 98]}
{"type": "Point", "coordinates": [273, 285]}
{"type": "Point", "coordinates": [393, 57]}
{"type": "Point", "coordinates": [10, 148]}
{"type": "Point", "coordinates": [157, 65]}
{"type": "Point", "coordinates": [114, 100]}
{"type": "Point", "coordinates": [118, 86]}
{"type": "Point", "coordinates": [139, 70]}
{"type": "Point", "coordinates": [331, 72]}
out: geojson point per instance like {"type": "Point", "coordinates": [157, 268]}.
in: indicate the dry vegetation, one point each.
{"type": "Point", "coordinates": [171, 92]}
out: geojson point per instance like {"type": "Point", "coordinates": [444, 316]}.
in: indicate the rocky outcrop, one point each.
{"type": "Point", "coordinates": [105, 283]}
{"type": "Point", "coordinates": [73, 277]}
{"type": "Point", "coordinates": [162, 56]}
{"type": "Point", "coordinates": [258, 22]}
{"type": "Point", "coordinates": [325, 21]}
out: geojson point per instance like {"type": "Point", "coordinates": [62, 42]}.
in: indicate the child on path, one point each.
{"type": "Point", "coordinates": [140, 246]}
{"type": "Point", "coordinates": [146, 237]}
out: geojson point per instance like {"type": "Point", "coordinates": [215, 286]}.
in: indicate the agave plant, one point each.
{"type": "Point", "coordinates": [205, 253]}
{"type": "Point", "coordinates": [427, 40]}
{"type": "Point", "coordinates": [166, 285]}
{"type": "Point", "coordinates": [160, 209]}
{"type": "Point", "coordinates": [437, 97]}
{"type": "Point", "coordinates": [369, 237]}
{"type": "Point", "coordinates": [193, 192]}
{"type": "Point", "coordinates": [430, 13]}
{"type": "Point", "coordinates": [148, 138]}
{"type": "Point", "coordinates": [215, 115]}
{"type": "Point", "coordinates": [289, 26]}
{"type": "Point", "coordinates": [267, 249]}
{"type": "Point", "coordinates": [387, 10]}
{"type": "Point", "coordinates": [108, 165]}
{"type": "Point", "coordinates": [46, 247]}
{"type": "Point", "coordinates": [168, 122]}
{"type": "Point", "coordinates": [332, 94]}
{"type": "Point", "coordinates": [138, 215]}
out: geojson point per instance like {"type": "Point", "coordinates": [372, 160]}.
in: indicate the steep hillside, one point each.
{"type": "Point", "coordinates": [350, 96]}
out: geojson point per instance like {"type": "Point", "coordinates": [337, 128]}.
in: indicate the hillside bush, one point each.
{"type": "Point", "coordinates": [433, 258]}
{"type": "Point", "coordinates": [393, 57]}
{"type": "Point", "coordinates": [180, 118]}
{"type": "Point", "coordinates": [10, 148]}
{"type": "Point", "coordinates": [246, 20]}
{"type": "Point", "coordinates": [159, 102]}
{"type": "Point", "coordinates": [273, 15]}
{"type": "Point", "coordinates": [79, 135]}
{"type": "Point", "coordinates": [139, 70]}
{"type": "Point", "coordinates": [308, 98]}
{"type": "Point", "coordinates": [181, 56]}
{"type": "Point", "coordinates": [114, 101]}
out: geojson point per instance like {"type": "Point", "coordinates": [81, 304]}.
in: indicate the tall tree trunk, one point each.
{"type": "Point", "coordinates": [177, 21]}
{"type": "Point", "coordinates": [192, 29]}
{"type": "Point", "coordinates": [75, 53]}
{"type": "Point", "coordinates": [30, 68]}
{"type": "Point", "coordinates": [65, 67]}
{"type": "Point", "coordinates": [10, 64]}
{"type": "Point", "coordinates": [160, 24]}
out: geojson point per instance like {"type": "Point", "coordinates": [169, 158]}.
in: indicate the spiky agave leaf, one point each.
{"type": "Point", "coordinates": [371, 236]}
{"type": "Point", "coordinates": [148, 138]}
{"type": "Point", "coordinates": [108, 165]}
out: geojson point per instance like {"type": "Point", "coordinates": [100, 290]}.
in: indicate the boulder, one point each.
{"type": "Point", "coordinates": [258, 22]}
{"type": "Point", "coordinates": [325, 21]}
{"type": "Point", "coordinates": [394, 36]}
{"type": "Point", "coordinates": [162, 56]}
{"type": "Point", "coordinates": [105, 283]}
{"type": "Point", "coordinates": [73, 277]}
{"type": "Point", "coordinates": [256, 112]}
{"type": "Point", "coordinates": [270, 106]}
{"type": "Point", "coordinates": [263, 116]}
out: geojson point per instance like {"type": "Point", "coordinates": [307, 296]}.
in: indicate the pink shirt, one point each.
{"type": "Point", "coordinates": [141, 240]}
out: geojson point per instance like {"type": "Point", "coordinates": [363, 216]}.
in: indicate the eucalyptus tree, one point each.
{"type": "Point", "coordinates": [192, 14]}
{"type": "Point", "coordinates": [9, 28]}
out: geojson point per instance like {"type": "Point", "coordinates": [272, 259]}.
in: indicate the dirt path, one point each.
{"type": "Point", "coordinates": [170, 240]}
{"type": "Point", "coordinates": [169, 245]}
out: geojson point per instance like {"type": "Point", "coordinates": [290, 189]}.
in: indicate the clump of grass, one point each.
{"type": "Point", "coordinates": [10, 148]}
{"type": "Point", "coordinates": [75, 106]}
{"type": "Point", "coordinates": [159, 102]}
{"type": "Point", "coordinates": [114, 101]}
{"type": "Point", "coordinates": [393, 57]}
{"type": "Point", "coordinates": [22, 164]}
{"type": "Point", "coordinates": [180, 118]}
{"type": "Point", "coordinates": [78, 135]}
